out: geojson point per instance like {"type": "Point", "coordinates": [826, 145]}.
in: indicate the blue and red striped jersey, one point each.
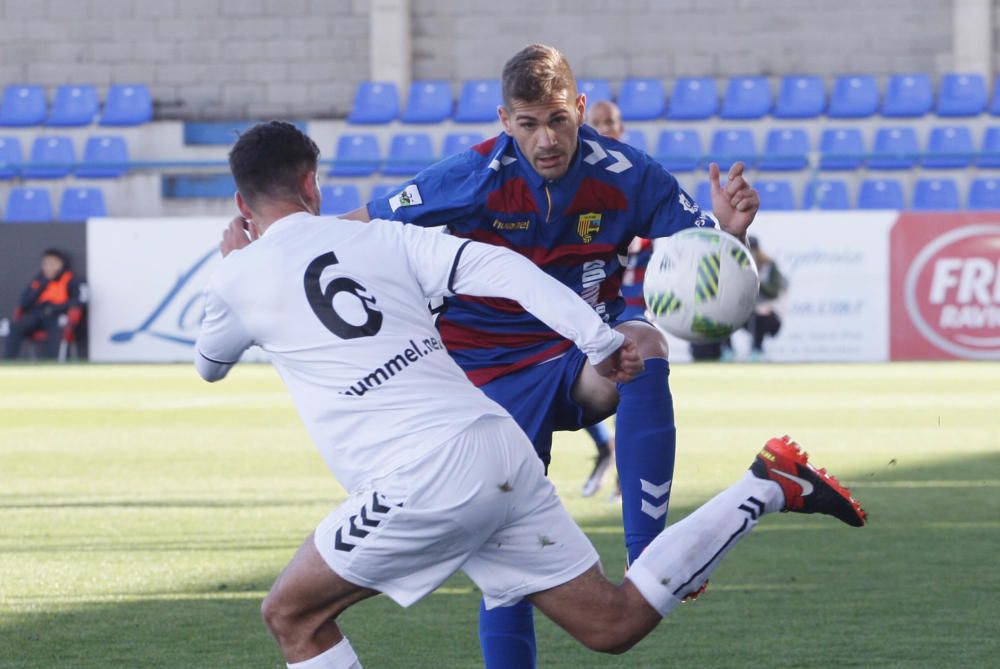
{"type": "Point", "coordinates": [576, 228]}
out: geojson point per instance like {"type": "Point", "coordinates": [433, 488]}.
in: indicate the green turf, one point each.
{"type": "Point", "coordinates": [144, 514]}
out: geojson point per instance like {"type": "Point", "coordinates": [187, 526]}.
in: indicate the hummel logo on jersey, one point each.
{"type": "Point", "coordinates": [807, 487]}
{"type": "Point", "coordinates": [597, 154]}
{"type": "Point", "coordinates": [361, 524]}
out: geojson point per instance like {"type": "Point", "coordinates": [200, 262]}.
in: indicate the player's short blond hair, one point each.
{"type": "Point", "coordinates": [535, 73]}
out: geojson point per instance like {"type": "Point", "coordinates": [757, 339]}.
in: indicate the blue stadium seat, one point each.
{"type": "Point", "coordinates": [747, 97]}
{"type": "Point", "coordinates": [961, 95]}
{"type": "Point", "coordinates": [995, 100]}
{"type": "Point", "coordinates": [383, 190]}
{"type": "Point", "coordinates": [23, 106]}
{"type": "Point", "coordinates": [828, 194]}
{"type": "Point", "coordinates": [456, 142]}
{"type": "Point", "coordinates": [694, 98]}
{"type": "Point", "coordinates": [730, 145]}
{"type": "Point", "coordinates": [409, 153]}
{"type": "Point", "coordinates": [936, 195]}
{"type": "Point", "coordinates": [880, 194]}
{"type": "Point", "coordinates": [10, 153]}
{"type": "Point", "coordinates": [52, 157]}
{"type": "Point", "coordinates": [949, 147]}
{"type": "Point", "coordinates": [785, 149]}
{"type": "Point", "coordinates": [357, 155]}
{"type": "Point", "coordinates": [775, 194]}
{"type": "Point", "coordinates": [841, 149]}
{"type": "Point", "coordinates": [703, 194]}
{"type": "Point", "coordinates": [896, 148]}
{"type": "Point", "coordinates": [428, 102]}
{"type": "Point", "coordinates": [127, 104]}
{"type": "Point", "coordinates": [635, 138]}
{"type": "Point", "coordinates": [375, 102]}
{"type": "Point", "coordinates": [339, 199]}
{"type": "Point", "coordinates": [595, 89]}
{"type": "Point", "coordinates": [28, 205]}
{"type": "Point", "coordinates": [800, 97]}
{"type": "Point", "coordinates": [478, 101]}
{"type": "Point", "coordinates": [197, 186]}
{"type": "Point", "coordinates": [74, 106]}
{"type": "Point", "coordinates": [854, 96]}
{"type": "Point", "coordinates": [990, 150]}
{"type": "Point", "coordinates": [79, 204]}
{"type": "Point", "coordinates": [641, 99]}
{"type": "Point", "coordinates": [984, 194]}
{"type": "Point", "coordinates": [679, 150]}
{"type": "Point", "coordinates": [908, 95]}
{"type": "Point", "coordinates": [104, 157]}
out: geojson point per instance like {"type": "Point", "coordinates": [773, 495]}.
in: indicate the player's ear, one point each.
{"type": "Point", "coordinates": [309, 187]}
{"type": "Point", "coordinates": [504, 118]}
{"type": "Point", "coordinates": [581, 108]}
{"type": "Point", "coordinates": [244, 208]}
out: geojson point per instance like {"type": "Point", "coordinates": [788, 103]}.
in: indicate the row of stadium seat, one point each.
{"type": "Point", "coordinates": [695, 98]}
{"type": "Point", "coordinates": [54, 157]}
{"type": "Point", "coordinates": [34, 205]}
{"type": "Point", "coordinates": [76, 106]}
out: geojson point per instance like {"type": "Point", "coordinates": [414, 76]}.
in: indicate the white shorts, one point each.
{"type": "Point", "coordinates": [479, 503]}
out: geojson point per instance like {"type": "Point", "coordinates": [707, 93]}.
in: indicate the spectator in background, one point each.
{"type": "Point", "coordinates": [45, 306]}
{"type": "Point", "coordinates": [765, 321]}
{"type": "Point", "coordinates": [606, 118]}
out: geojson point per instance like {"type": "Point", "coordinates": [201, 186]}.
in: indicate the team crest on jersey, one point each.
{"type": "Point", "coordinates": [408, 197]}
{"type": "Point", "coordinates": [688, 206]}
{"type": "Point", "coordinates": [587, 226]}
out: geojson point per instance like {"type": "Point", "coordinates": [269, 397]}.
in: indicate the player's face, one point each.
{"type": "Point", "coordinates": [546, 131]}
{"type": "Point", "coordinates": [607, 121]}
{"type": "Point", "coordinates": [51, 266]}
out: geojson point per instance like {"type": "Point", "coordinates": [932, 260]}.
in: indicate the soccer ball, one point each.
{"type": "Point", "coordinates": [701, 284]}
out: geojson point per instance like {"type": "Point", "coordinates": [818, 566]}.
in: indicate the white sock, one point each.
{"type": "Point", "coordinates": [341, 656]}
{"type": "Point", "coordinates": [679, 561]}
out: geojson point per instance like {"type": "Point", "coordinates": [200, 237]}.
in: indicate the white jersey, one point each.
{"type": "Point", "coordinates": [340, 306]}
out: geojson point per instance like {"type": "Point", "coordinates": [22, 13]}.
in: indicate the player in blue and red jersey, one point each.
{"type": "Point", "coordinates": [571, 200]}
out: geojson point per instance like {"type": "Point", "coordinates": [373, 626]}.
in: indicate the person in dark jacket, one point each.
{"type": "Point", "coordinates": [46, 306]}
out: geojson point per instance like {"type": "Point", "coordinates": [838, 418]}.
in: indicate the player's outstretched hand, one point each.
{"type": "Point", "coordinates": [237, 235]}
{"type": "Point", "coordinates": [734, 204]}
{"type": "Point", "coordinates": [622, 365]}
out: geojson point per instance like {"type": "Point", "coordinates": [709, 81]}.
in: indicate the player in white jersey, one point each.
{"type": "Point", "coordinates": [440, 478]}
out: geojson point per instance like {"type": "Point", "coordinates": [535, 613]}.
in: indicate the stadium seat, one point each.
{"type": "Point", "coordinates": [456, 142]}
{"type": "Point", "coordinates": [74, 106]}
{"type": "Point", "coordinates": [28, 205]}
{"type": "Point", "coordinates": [357, 155]}
{"type": "Point", "coordinates": [854, 97]}
{"type": "Point", "coordinates": [730, 145]}
{"type": "Point", "coordinates": [747, 97]}
{"type": "Point", "coordinates": [79, 204]}
{"type": "Point", "coordinates": [990, 150]}
{"type": "Point", "coordinates": [197, 186]}
{"type": "Point", "coordinates": [408, 154]}
{"type": "Point", "coordinates": [595, 89]}
{"type": "Point", "coordinates": [635, 138]}
{"type": "Point", "coordinates": [961, 95]}
{"type": "Point", "coordinates": [23, 106]}
{"type": "Point", "coordinates": [995, 100]}
{"type": "Point", "coordinates": [478, 101]}
{"type": "Point", "coordinates": [339, 199]}
{"type": "Point", "coordinates": [10, 154]}
{"type": "Point", "coordinates": [896, 148]}
{"type": "Point", "coordinates": [703, 195]}
{"type": "Point", "coordinates": [428, 102]}
{"type": "Point", "coordinates": [775, 194]}
{"type": "Point", "coordinates": [785, 149]}
{"type": "Point", "coordinates": [374, 102]}
{"type": "Point", "coordinates": [383, 190]}
{"type": "Point", "coordinates": [948, 147]}
{"type": "Point", "coordinates": [984, 194]}
{"type": "Point", "coordinates": [104, 157]}
{"type": "Point", "coordinates": [935, 195]}
{"type": "Point", "coordinates": [679, 150]}
{"type": "Point", "coordinates": [828, 194]}
{"type": "Point", "coordinates": [641, 99]}
{"type": "Point", "coordinates": [52, 157]}
{"type": "Point", "coordinates": [908, 95]}
{"type": "Point", "coordinates": [800, 97]}
{"type": "Point", "coordinates": [880, 194]}
{"type": "Point", "coordinates": [841, 149]}
{"type": "Point", "coordinates": [694, 98]}
{"type": "Point", "coordinates": [127, 105]}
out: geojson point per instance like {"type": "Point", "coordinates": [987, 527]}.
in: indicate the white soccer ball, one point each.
{"type": "Point", "coordinates": [701, 284]}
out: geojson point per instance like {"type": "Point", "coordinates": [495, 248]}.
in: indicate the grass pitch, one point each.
{"type": "Point", "coordinates": [144, 514]}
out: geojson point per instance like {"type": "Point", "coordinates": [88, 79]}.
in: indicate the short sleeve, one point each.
{"type": "Point", "coordinates": [433, 255]}
{"type": "Point", "coordinates": [665, 207]}
{"type": "Point", "coordinates": [442, 194]}
{"type": "Point", "coordinates": [223, 338]}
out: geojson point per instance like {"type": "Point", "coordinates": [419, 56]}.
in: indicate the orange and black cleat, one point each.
{"type": "Point", "coordinates": [806, 489]}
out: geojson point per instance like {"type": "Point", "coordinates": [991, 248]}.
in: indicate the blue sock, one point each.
{"type": "Point", "coordinates": [645, 443]}
{"type": "Point", "coordinates": [600, 435]}
{"type": "Point", "coordinates": [507, 636]}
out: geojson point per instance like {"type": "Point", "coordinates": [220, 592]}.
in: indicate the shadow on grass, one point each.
{"type": "Point", "coordinates": [917, 588]}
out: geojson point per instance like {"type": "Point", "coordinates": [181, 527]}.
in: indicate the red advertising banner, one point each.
{"type": "Point", "coordinates": [945, 287]}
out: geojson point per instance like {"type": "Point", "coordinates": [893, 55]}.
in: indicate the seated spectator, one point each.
{"type": "Point", "coordinates": [50, 304]}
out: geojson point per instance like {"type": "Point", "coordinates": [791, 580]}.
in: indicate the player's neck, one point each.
{"type": "Point", "coordinates": [269, 213]}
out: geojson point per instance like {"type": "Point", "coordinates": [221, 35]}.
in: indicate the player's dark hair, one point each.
{"type": "Point", "coordinates": [269, 159]}
{"type": "Point", "coordinates": [534, 73]}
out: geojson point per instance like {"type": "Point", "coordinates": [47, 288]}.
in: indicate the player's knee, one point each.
{"type": "Point", "coordinates": [610, 640]}
{"type": "Point", "coordinates": [281, 619]}
{"type": "Point", "coordinates": [650, 342]}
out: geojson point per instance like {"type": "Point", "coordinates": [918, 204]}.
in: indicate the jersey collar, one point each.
{"type": "Point", "coordinates": [283, 223]}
